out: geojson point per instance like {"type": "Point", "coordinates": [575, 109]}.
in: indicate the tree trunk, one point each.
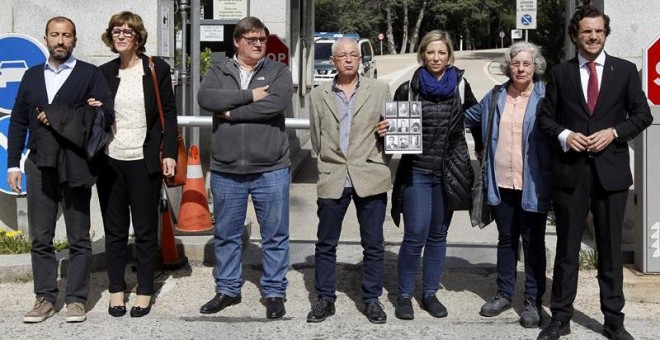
{"type": "Point", "coordinates": [389, 33]}
{"type": "Point", "coordinates": [418, 24]}
{"type": "Point", "coordinates": [404, 39]}
{"type": "Point", "coordinates": [468, 38]}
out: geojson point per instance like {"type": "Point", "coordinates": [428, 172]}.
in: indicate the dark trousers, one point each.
{"type": "Point", "coordinates": [571, 208]}
{"type": "Point", "coordinates": [513, 223]}
{"type": "Point", "coordinates": [44, 194]}
{"type": "Point", "coordinates": [371, 215]}
{"type": "Point", "coordinates": [128, 192]}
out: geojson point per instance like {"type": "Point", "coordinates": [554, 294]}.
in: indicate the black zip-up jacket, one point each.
{"type": "Point", "coordinates": [254, 140]}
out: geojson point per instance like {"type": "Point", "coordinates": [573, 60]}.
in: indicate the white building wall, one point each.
{"type": "Point", "coordinates": [633, 24]}
{"type": "Point", "coordinates": [91, 17]}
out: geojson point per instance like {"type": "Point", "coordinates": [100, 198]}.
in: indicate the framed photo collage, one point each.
{"type": "Point", "coordinates": [405, 132]}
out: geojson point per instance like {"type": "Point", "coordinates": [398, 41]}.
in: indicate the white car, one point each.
{"type": "Point", "coordinates": [324, 70]}
{"type": "Point", "coordinates": [11, 71]}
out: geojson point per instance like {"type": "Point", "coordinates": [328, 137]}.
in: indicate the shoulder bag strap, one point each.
{"type": "Point", "coordinates": [491, 114]}
{"type": "Point", "coordinates": [157, 90]}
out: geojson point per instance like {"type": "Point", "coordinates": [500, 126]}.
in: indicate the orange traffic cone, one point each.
{"type": "Point", "coordinates": [194, 214]}
{"type": "Point", "coordinates": [169, 251]}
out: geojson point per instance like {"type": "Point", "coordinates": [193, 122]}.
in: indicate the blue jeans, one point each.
{"type": "Point", "coordinates": [270, 195]}
{"type": "Point", "coordinates": [426, 220]}
{"type": "Point", "coordinates": [371, 215]}
{"type": "Point", "coordinates": [512, 223]}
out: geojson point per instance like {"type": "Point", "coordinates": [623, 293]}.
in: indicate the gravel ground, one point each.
{"type": "Point", "coordinates": [180, 294]}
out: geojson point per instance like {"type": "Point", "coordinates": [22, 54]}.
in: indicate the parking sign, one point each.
{"type": "Point", "coordinates": [4, 186]}
{"type": "Point", "coordinates": [18, 52]}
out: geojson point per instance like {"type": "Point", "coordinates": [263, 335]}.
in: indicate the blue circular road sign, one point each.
{"type": "Point", "coordinates": [526, 19]}
{"type": "Point", "coordinates": [4, 186]}
{"type": "Point", "coordinates": [18, 52]}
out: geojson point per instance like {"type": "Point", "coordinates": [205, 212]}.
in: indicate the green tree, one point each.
{"type": "Point", "coordinates": [551, 30]}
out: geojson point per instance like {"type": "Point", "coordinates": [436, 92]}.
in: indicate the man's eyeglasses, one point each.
{"type": "Point", "coordinates": [127, 32]}
{"type": "Point", "coordinates": [253, 40]}
{"type": "Point", "coordinates": [344, 56]}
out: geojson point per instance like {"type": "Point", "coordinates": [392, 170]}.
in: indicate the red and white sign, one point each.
{"type": "Point", "coordinates": [277, 50]}
{"type": "Point", "coordinates": [381, 36]}
{"type": "Point", "coordinates": [651, 81]}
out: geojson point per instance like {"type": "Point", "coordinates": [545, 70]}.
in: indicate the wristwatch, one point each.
{"type": "Point", "coordinates": [616, 135]}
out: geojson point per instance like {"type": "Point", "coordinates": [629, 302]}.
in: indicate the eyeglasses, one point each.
{"type": "Point", "coordinates": [344, 56]}
{"type": "Point", "coordinates": [253, 40]}
{"type": "Point", "coordinates": [525, 64]}
{"type": "Point", "coordinates": [127, 32]}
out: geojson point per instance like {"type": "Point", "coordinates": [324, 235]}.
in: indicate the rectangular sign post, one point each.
{"type": "Point", "coordinates": [526, 15]}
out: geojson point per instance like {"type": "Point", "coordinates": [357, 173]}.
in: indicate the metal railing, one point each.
{"type": "Point", "coordinates": [207, 122]}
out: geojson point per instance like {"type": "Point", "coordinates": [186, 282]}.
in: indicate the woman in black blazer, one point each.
{"type": "Point", "coordinates": [131, 175]}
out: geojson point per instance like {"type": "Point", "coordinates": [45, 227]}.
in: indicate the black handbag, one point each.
{"type": "Point", "coordinates": [481, 213]}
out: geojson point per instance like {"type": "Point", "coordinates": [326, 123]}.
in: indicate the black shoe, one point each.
{"type": "Point", "coordinates": [404, 309]}
{"type": "Point", "coordinates": [138, 312]}
{"type": "Point", "coordinates": [616, 332]}
{"type": "Point", "coordinates": [555, 330]}
{"type": "Point", "coordinates": [375, 313]}
{"type": "Point", "coordinates": [531, 314]}
{"type": "Point", "coordinates": [495, 306]}
{"type": "Point", "coordinates": [321, 310]}
{"type": "Point", "coordinates": [219, 302]}
{"type": "Point", "coordinates": [117, 311]}
{"type": "Point", "coordinates": [432, 305]}
{"type": "Point", "coordinates": [275, 307]}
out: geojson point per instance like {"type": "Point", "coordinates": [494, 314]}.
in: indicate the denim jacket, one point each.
{"type": "Point", "coordinates": [537, 176]}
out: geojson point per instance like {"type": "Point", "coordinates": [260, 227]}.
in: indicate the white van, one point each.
{"type": "Point", "coordinates": [324, 70]}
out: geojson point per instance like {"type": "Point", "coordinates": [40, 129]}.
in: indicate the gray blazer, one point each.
{"type": "Point", "coordinates": [366, 161]}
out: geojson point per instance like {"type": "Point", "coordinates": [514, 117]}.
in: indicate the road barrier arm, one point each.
{"type": "Point", "coordinates": [207, 122]}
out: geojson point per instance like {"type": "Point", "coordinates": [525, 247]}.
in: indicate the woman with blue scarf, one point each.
{"type": "Point", "coordinates": [430, 186]}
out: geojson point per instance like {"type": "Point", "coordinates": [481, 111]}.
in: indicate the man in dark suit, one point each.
{"type": "Point", "coordinates": [62, 82]}
{"type": "Point", "coordinates": [594, 105]}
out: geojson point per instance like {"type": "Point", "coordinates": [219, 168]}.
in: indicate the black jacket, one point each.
{"type": "Point", "coordinates": [152, 142]}
{"type": "Point", "coordinates": [85, 81]}
{"type": "Point", "coordinates": [621, 105]}
{"type": "Point", "coordinates": [452, 152]}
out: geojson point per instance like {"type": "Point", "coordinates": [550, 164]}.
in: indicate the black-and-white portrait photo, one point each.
{"type": "Point", "coordinates": [404, 110]}
{"type": "Point", "coordinates": [404, 126]}
{"type": "Point", "coordinates": [392, 125]}
{"type": "Point", "coordinates": [391, 143]}
{"type": "Point", "coordinates": [415, 142]}
{"type": "Point", "coordinates": [415, 125]}
{"type": "Point", "coordinates": [403, 143]}
{"type": "Point", "coordinates": [390, 109]}
{"type": "Point", "coordinates": [415, 109]}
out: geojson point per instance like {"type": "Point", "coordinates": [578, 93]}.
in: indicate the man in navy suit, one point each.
{"type": "Point", "coordinates": [593, 106]}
